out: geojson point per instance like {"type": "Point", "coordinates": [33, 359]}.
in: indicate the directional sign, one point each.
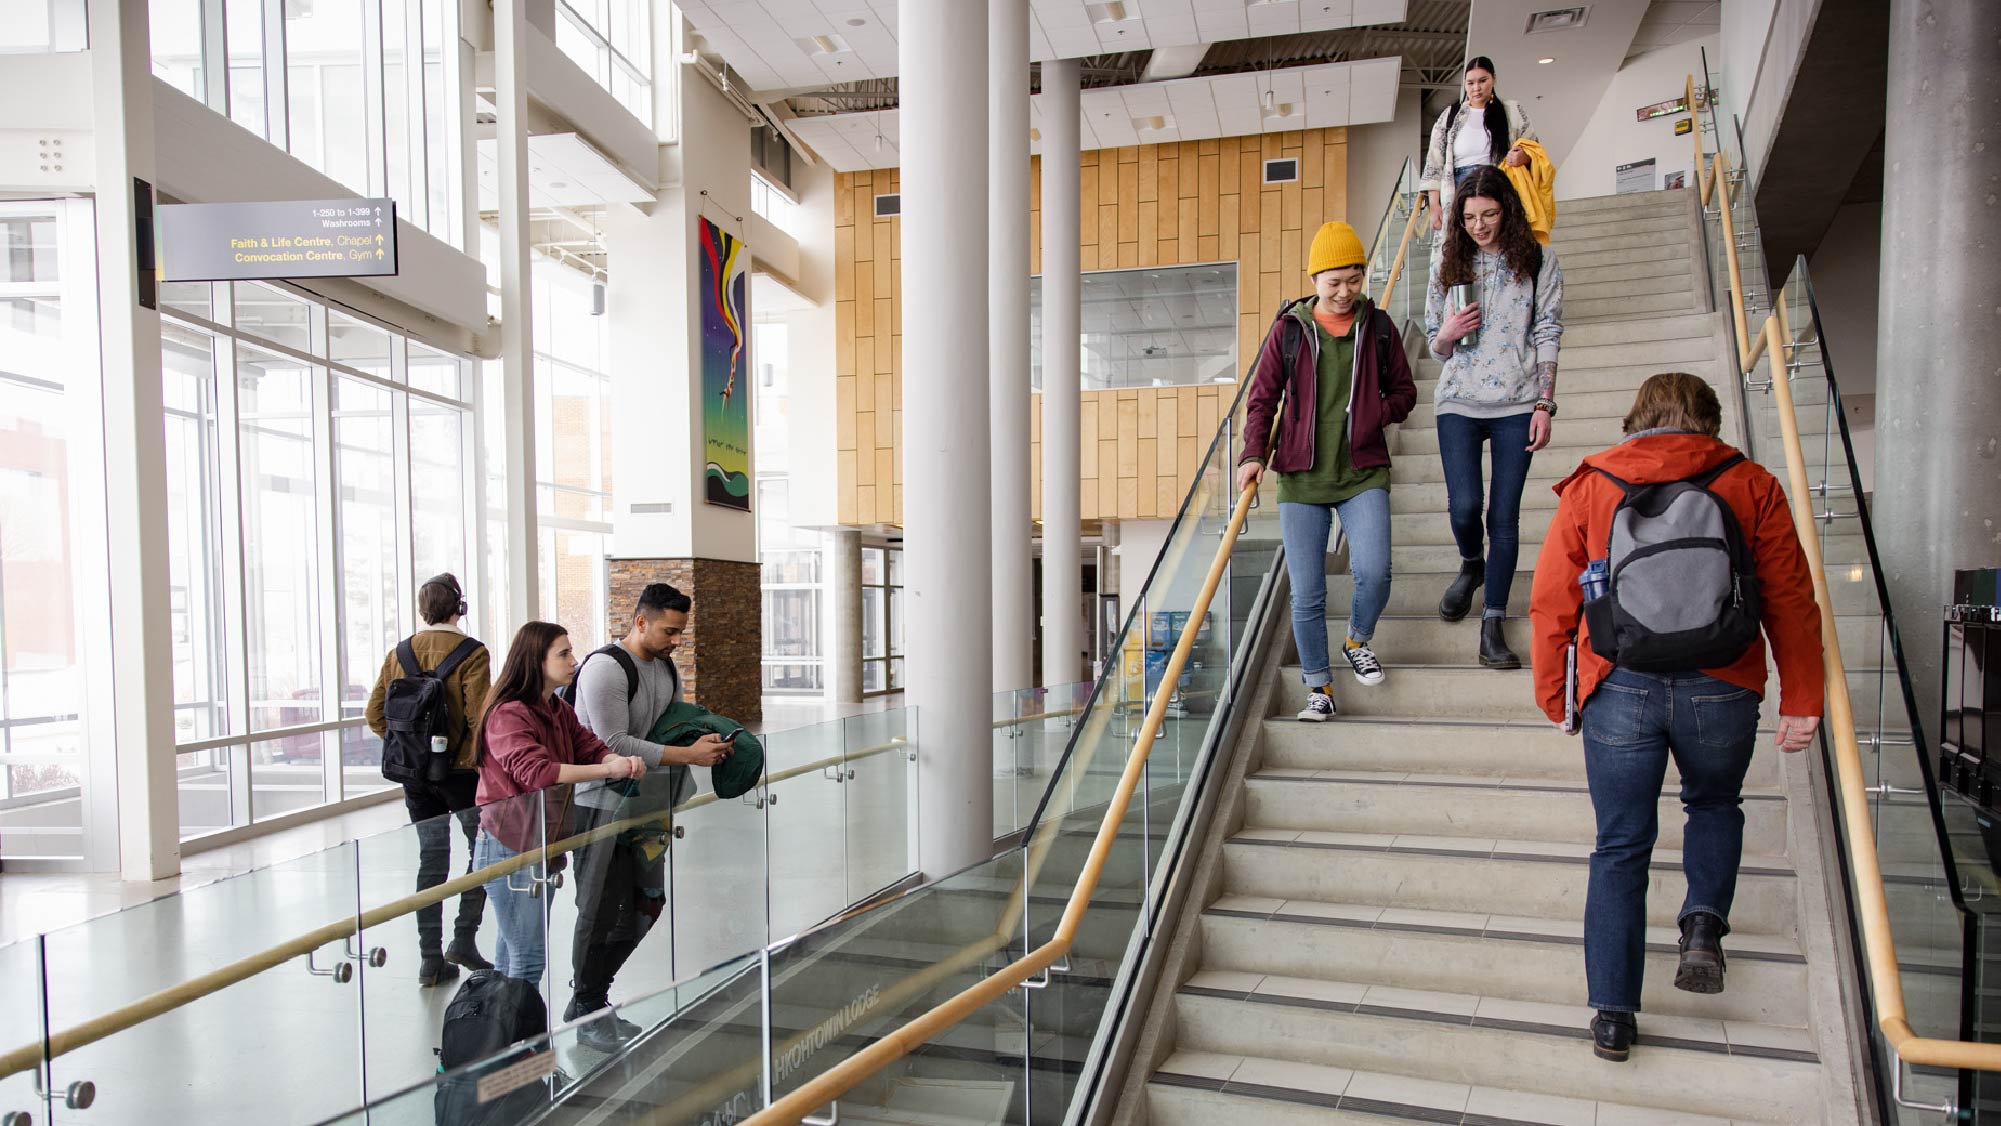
{"type": "Point", "coordinates": [316, 238]}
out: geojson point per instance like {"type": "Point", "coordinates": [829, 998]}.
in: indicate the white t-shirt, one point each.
{"type": "Point", "coordinates": [1471, 145]}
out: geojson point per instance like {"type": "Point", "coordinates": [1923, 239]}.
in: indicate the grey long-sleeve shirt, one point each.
{"type": "Point", "coordinates": [623, 725]}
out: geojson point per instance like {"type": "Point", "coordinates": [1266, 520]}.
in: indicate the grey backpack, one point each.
{"type": "Point", "coordinates": [1684, 585]}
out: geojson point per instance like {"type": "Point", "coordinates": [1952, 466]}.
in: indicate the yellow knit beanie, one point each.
{"type": "Point", "coordinates": [1335, 245]}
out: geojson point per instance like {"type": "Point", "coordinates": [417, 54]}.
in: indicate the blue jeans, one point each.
{"type": "Point", "coordinates": [1305, 528]}
{"type": "Point", "coordinates": [1459, 440]}
{"type": "Point", "coordinates": [523, 949]}
{"type": "Point", "coordinates": [1632, 723]}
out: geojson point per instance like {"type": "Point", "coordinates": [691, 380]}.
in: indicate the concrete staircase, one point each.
{"type": "Point", "coordinates": [1395, 930]}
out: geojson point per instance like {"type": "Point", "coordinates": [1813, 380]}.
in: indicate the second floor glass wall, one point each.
{"type": "Point", "coordinates": [365, 91]}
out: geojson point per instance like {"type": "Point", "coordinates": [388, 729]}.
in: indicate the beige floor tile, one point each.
{"type": "Point", "coordinates": [1226, 981]}
{"type": "Point", "coordinates": [1347, 840]}
{"type": "Point", "coordinates": [1534, 1012]}
{"type": "Point", "coordinates": [1530, 1106]}
{"type": "Point", "coordinates": [1457, 920]}
{"type": "Point", "coordinates": [1522, 924]}
{"type": "Point", "coordinates": [1353, 912]}
{"type": "Point", "coordinates": [1207, 1065]}
{"type": "Point", "coordinates": [1296, 1076]}
{"type": "Point", "coordinates": [1452, 1004]}
{"type": "Point", "coordinates": [1475, 846]}
{"type": "Point", "coordinates": [1682, 1028]}
{"type": "Point", "coordinates": [1408, 1090]}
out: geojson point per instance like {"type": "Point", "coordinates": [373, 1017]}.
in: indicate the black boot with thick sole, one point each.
{"type": "Point", "coordinates": [1494, 651]}
{"type": "Point", "coordinates": [1612, 1035]}
{"type": "Point", "coordinates": [1702, 965]}
{"type": "Point", "coordinates": [1459, 596]}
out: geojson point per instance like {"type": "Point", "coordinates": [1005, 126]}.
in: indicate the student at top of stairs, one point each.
{"type": "Point", "coordinates": [1479, 130]}
{"type": "Point", "coordinates": [1706, 718]}
{"type": "Point", "coordinates": [1499, 390]}
{"type": "Point", "coordinates": [1332, 370]}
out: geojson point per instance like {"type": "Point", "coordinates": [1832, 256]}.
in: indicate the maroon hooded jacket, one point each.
{"type": "Point", "coordinates": [1371, 406]}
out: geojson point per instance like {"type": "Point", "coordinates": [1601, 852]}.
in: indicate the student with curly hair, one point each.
{"type": "Point", "coordinates": [1497, 390]}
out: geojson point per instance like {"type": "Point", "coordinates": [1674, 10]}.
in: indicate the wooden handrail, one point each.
{"type": "Point", "coordinates": [1886, 980]}
{"type": "Point", "coordinates": [1417, 208]}
{"type": "Point", "coordinates": [30, 1056]}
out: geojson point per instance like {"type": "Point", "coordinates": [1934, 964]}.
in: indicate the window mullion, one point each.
{"type": "Point", "coordinates": [326, 552]}
{"type": "Point", "coordinates": [402, 479]}
{"type": "Point", "coordinates": [277, 97]}
{"type": "Point", "coordinates": [215, 55]}
{"type": "Point", "coordinates": [375, 124]}
{"type": "Point", "coordinates": [230, 544]}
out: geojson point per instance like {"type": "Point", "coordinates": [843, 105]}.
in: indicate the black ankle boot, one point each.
{"type": "Point", "coordinates": [463, 952]}
{"type": "Point", "coordinates": [1459, 596]}
{"type": "Point", "coordinates": [1612, 1035]}
{"type": "Point", "coordinates": [432, 969]}
{"type": "Point", "coordinates": [1494, 651]}
{"type": "Point", "coordinates": [1701, 969]}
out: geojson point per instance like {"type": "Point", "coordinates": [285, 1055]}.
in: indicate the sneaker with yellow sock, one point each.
{"type": "Point", "coordinates": [1319, 705]}
{"type": "Point", "coordinates": [1362, 659]}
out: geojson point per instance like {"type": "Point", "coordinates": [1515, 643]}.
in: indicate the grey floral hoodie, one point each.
{"type": "Point", "coordinates": [1520, 326]}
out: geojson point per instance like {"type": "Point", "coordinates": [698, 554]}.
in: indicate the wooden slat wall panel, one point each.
{"type": "Point", "coordinates": [1168, 205]}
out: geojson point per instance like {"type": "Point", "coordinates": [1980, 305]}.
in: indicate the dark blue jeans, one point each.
{"type": "Point", "coordinates": [1459, 441]}
{"type": "Point", "coordinates": [1632, 723]}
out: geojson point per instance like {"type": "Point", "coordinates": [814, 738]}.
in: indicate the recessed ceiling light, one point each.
{"type": "Point", "coordinates": [823, 44]}
{"type": "Point", "coordinates": [1544, 62]}
{"type": "Point", "coordinates": [858, 22]}
{"type": "Point", "coordinates": [1557, 19]}
{"type": "Point", "coordinates": [1113, 11]}
{"type": "Point", "coordinates": [1154, 123]}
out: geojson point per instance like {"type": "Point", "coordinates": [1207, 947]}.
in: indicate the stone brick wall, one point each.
{"type": "Point", "coordinates": [720, 657]}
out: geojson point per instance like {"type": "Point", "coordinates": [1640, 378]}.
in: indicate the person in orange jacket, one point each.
{"type": "Point", "coordinates": [1707, 719]}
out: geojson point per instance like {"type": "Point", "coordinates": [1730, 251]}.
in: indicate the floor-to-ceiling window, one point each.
{"type": "Point", "coordinates": [882, 619]}
{"type": "Point", "coordinates": [612, 40]}
{"type": "Point", "coordinates": [42, 737]}
{"type": "Point", "coordinates": [792, 559]}
{"type": "Point", "coordinates": [572, 450]}
{"type": "Point", "coordinates": [315, 476]}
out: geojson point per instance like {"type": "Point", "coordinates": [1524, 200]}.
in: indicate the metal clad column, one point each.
{"type": "Point", "coordinates": [1938, 477]}
{"type": "Point", "coordinates": [517, 357]}
{"type": "Point", "coordinates": [1008, 234]}
{"type": "Point", "coordinates": [140, 694]}
{"type": "Point", "coordinates": [1062, 560]}
{"type": "Point", "coordinates": [947, 498]}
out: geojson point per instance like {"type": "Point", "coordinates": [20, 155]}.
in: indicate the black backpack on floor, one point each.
{"type": "Point", "coordinates": [414, 709]}
{"type": "Point", "coordinates": [490, 1014]}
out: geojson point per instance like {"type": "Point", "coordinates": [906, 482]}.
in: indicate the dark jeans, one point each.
{"type": "Point", "coordinates": [1459, 441]}
{"type": "Point", "coordinates": [614, 909]}
{"type": "Point", "coordinates": [1632, 723]}
{"type": "Point", "coordinates": [429, 803]}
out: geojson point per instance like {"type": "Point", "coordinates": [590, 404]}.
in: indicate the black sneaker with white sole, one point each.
{"type": "Point", "coordinates": [1362, 659]}
{"type": "Point", "coordinates": [1319, 706]}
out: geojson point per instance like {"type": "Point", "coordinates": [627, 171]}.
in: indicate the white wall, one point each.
{"type": "Point", "coordinates": [1762, 43]}
{"type": "Point", "coordinates": [656, 322]}
{"type": "Point", "coordinates": [1613, 137]}
{"type": "Point", "coordinates": [1140, 542]}
{"type": "Point", "coordinates": [1375, 153]}
{"type": "Point", "coordinates": [1847, 283]}
{"type": "Point", "coordinates": [811, 429]}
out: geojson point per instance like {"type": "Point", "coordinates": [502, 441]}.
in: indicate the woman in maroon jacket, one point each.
{"type": "Point", "coordinates": [528, 742]}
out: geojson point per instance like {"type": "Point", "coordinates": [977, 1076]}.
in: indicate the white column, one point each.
{"type": "Point", "coordinates": [517, 356]}
{"type": "Point", "coordinates": [1062, 561]}
{"type": "Point", "coordinates": [1007, 344]}
{"type": "Point", "coordinates": [948, 534]}
{"type": "Point", "coordinates": [141, 692]}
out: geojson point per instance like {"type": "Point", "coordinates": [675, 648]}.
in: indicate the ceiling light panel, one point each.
{"type": "Point", "coordinates": [774, 44]}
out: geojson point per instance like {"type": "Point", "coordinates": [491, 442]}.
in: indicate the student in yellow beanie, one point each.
{"type": "Point", "coordinates": [1332, 371]}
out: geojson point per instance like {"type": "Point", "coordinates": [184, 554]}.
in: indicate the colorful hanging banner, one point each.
{"type": "Point", "coordinates": [725, 283]}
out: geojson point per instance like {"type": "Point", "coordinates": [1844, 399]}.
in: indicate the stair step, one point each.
{"type": "Point", "coordinates": [1526, 752]}
{"type": "Point", "coordinates": [1620, 256]}
{"type": "Point", "coordinates": [1418, 470]}
{"type": "Point", "coordinates": [1677, 279]}
{"type": "Point", "coordinates": [1394, 803]}
{"type": "Point", "coordinates": [1412, 592]}
{"type": "Point", "coordinates": [1678, 265]}
{"type": "Point", "coordinates": [1477, 875]}
{"type": "Point", "coordinates": [1572, 229]}
{"type": "Point", "coordinates": [1461, 1040]}
{"type": "Point", "coordinates": [1572, 380]}
{"type": "Point", "coordinates": [1615, 237]}
{"type": "Point", "coordinates": [1207, 1089]}
{"type": "Point", "coordinates": [1427, 639]}
{"type": "Point", "coordinates": [1659, 353]}
{"type": "Point", "coordinates": [1519, 958]}
{"type": "Point", "coordinates": [1579, 307]}
{"type": "Point", "coordinates": [1663, 200]}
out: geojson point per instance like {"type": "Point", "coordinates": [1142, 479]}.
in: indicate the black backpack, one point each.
{"type": "Point", "coordinates": [414, 709]}
{"type": "Point", "coordinates": [1684, 584]}
{"type": "Point", "coordinates": [568, 692]}
{"type": "Point", "coordinates": [489, 1015]}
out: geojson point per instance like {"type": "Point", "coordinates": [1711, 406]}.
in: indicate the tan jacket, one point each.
{"type": "Point", "coordinates": [465, 689]}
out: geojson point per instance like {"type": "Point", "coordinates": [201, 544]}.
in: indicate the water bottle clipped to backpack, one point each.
{"type": "Point", "coordinates": [1677, 590]}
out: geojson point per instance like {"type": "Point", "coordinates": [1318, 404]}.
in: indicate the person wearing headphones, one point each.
{"type": "Point", "coordinates": [441, 603]}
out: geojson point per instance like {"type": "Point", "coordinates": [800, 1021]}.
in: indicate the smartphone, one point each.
{"type": "Point", "coordinates": [1570, 717]}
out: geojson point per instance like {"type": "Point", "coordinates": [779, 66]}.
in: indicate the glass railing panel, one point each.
{"type": "Point", "coordinates": [809, 824]}
{"type": "Point", "coordinates": [22, 1032]}
{"type": "Point", "coordinates": [403, 1016]}
{"type": "Point", "coordinates": [717, 858]}
{"type": "Point", "coordinates": [837, 989]}
{"type": "Point", "coordinates": [1031, 727]}
{"type": "Point", "coordinates": [881, 800]}
{"type": "Point", "coordinates": [206, 1060]}
{"type": "Point", "coordinates": [698, 1060]}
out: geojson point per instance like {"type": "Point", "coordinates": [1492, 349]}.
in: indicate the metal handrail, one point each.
{"type": "Point", "coordinates": [31, 1056]}
{"type": "Point", "coordinates": [897, 1043]}
{"type": "Point", "coordinates": [1872, 907]}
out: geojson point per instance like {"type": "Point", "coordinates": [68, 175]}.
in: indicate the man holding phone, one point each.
{"type": "Point", "coordinates": [622, 691]}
